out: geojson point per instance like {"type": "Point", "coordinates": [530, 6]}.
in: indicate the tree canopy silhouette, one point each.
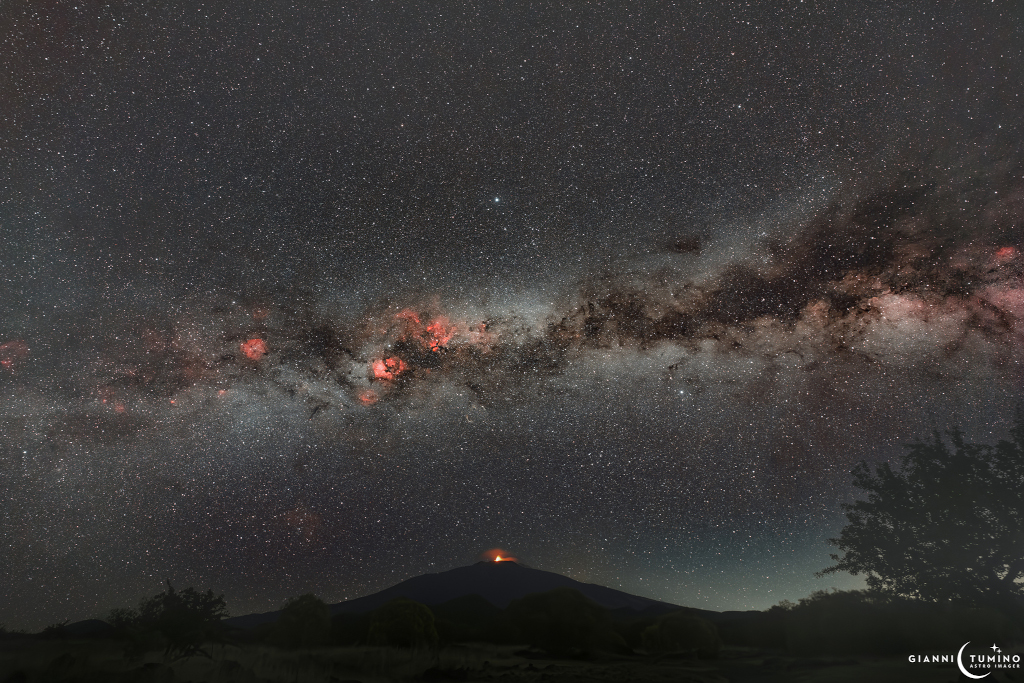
{"type": "Point", "coordinates": [682, 631]}
{"type": "Point", "coordinates": [563, 621]}
{"type": "Point", "coordinates": [403, 623]}
{"type": "Point", "coordinates": [183, 619]}
{"type": "Point", "coordinates": [304, 621]}
{"type": "Point", "coordinates": [948, 526]}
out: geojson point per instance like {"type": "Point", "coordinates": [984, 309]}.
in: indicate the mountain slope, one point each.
{"type": "Point", "coordinates": [497, 582]}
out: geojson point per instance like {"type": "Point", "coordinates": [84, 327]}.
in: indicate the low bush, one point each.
{"type": "Point", "coordinates": [563, 622]}
{"type": "Point", "coordinates": [403, 623]}
{"type": "Point", "coordinates": [861, 622]}
{"type": "Point", "coordinates": [304, 621]}
{"type": "Point", "coordinates": [681, 632]}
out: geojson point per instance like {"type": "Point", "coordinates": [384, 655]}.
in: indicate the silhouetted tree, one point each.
{"type": "Point", "coordinates": [183, 619]}
{"type": "Point", "coordinates": [56, 631]}
{"type": "Point", "coordinates": [564, 622]}
{"type": "Point", "coordinates": [403, 623]}
{"type": "Point", "coordinates": [305, 621]}
{"type": "Point", "coordinates": [949, 526]}
{"type": "Point", "coordinates": [868, 622]}
{"type": "Point", "coordinates": [122, 618]}
{"type": "Point", "coordinates": [679, 631]}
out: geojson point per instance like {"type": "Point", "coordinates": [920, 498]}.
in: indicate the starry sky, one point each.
{"type": "Point", "coordinates": [316, 297]}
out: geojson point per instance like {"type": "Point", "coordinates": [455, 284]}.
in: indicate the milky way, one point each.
{"type": "Point", "coordinates": [319, 300]}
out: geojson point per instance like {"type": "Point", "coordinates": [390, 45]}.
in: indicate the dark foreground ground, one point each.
{"type": "Point", "coordinates": [105, 661]}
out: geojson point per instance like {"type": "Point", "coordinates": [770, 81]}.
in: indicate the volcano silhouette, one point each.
{"type": "Point", "coordinates": [499, 583]}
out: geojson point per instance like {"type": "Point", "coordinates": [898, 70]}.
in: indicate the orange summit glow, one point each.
{"type": "Point", "coordinates": [254, 349]}
{"type": "Point", "coordinates": [498, 555]}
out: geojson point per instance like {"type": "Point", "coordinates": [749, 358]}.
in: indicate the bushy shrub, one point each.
{"type": "Point", "coordinates": [842, 623]}
{"type": "Point", "coordinates": [55, 631]}
{"type": "Point", "coordinates": [862, 622]}
{"type": "Point", "coordinates": [466, 618]}
{"type": "Point", "coordinates": [754, 629]}
{"type": "Point", "coordinates": [679, 632]}
{"type": "Point", "coordinates": [180, 621]}
{"type": "Point", "coordinates": [403, 623]}
{"type": "Point", "coordinates": [564, 622]}
{"type": "Point", "coordinates": [304, 621]}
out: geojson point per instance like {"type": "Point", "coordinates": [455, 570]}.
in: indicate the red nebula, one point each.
{"type": "Point", "coordinates": [410, 315]}
{"type": "Point", "coordinates": [439, 333]}
{"type": "Point", "coordinates": [388, 368]}
{"type": "Point", "coordinates": [254, 349]}
{"type": "Point", "coordinates": [435, 335]}
{"type": "Point", "coordinates": [498, 555]}
{"type": "Point", "coordinates": [367, 397]}
{"type": "Point", "coordinates": [1005, 253]}
{"type": "Point", "coordinates": [12, 352]}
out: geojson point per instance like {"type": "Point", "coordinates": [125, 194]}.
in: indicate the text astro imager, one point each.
{"type": "Point", "coordinates": [996, 660]}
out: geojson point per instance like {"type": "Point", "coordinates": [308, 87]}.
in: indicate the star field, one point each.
{"type": "Point", "coordinates": [315, 299]}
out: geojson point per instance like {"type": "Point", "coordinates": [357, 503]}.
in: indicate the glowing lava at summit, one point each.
{"type": "Point", "coordinates": [254, 349]}
{"type": "Point", "coordinates": [498, 555]}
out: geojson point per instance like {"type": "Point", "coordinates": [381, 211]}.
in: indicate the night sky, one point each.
{"type": "Point", "coordinates": [318, 297]}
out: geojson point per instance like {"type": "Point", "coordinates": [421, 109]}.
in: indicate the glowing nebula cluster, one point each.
{"type": "Point", "coordinates": [254, 349]}
{"type": "Point", "coordinates": [875, 281]}
{"type": "Point", "coordinates": [388, 368]}
{"type": "Point", "coordinates": [12, 353]}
